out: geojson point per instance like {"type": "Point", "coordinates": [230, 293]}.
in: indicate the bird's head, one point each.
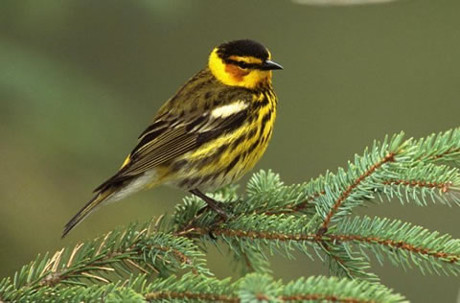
{"type": "Point", "coordinates": [244, 63]}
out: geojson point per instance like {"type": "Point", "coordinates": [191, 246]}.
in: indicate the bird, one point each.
{"type": "Point", "coordinates": [210, 133]}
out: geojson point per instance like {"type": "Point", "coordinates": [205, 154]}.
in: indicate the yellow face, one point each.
{"type": "Point", "coordinates": [238, 70]}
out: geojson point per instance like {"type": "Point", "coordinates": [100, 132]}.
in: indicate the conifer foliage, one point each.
{"type": "Point", "coordinates": [165, 259]}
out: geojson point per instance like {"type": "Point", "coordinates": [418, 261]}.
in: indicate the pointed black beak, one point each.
{"type": "Point", "coordinates": [270, 65]}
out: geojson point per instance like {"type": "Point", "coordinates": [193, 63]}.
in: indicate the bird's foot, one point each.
{"type": "Point", "coordinates": [216, 206]}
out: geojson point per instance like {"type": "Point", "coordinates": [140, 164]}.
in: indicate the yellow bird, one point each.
{"type": "Point", "coordinates": [209, 134]}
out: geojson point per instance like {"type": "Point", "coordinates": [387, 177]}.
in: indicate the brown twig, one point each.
{"type": "Point", "coordinates": [449, 151]}
{"type": "Point", "coordinates": [322, 298]}
{"type": "Point", "coordinates": [452, 258]}
{"type": "Point", "coordinates": [444, 187]}
{"type": "Point", "coordinates": [161, 295]}
{"type": "Point", "coordinates": [397, 245]}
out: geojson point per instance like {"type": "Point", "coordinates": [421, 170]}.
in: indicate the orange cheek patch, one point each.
{"type": "Point", "coordinates": [236, 72]}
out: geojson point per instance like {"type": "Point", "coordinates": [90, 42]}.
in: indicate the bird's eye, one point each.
{"type": "Point", "coordinates": [242, 65]}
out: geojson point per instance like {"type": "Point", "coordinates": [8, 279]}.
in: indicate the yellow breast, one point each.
{"type": "Point", "coordinates": [227, 158]}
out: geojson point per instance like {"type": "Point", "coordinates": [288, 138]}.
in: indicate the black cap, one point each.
{"type": "Point", "coordinates": [242, 48]}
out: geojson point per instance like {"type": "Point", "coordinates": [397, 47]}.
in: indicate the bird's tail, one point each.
{"type": "Point", "coordinates": [114, 189]}
{"type": "Point", "coordinates": [97, 200]}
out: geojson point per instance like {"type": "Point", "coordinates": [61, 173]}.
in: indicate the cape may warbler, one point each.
{"type": "Point", "coordinates": [209, 134]}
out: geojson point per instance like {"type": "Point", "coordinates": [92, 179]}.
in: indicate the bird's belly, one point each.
{"type": "Point", "coordinates": [219, 162]}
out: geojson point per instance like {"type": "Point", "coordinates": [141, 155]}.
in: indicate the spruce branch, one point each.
{"type": "Point", "coordinates": [282, 234]}
{"type": "Point", "coordinates": [121, 252]}
{"type": "Point", "coordinates": [257, 237]}
{"type": "Point", "coordinates": [251, 288]}
{"type": "Point", "coordinates": [443, 147]}
{"type": "Point", "coordinates": [403, 243]}
{"type": "Point", "coordinates": [392, 162]}
{"type": "Point", "coordinates": [347, 193]}
{"type": "Point", "coordinates": [164, 260]}
{"type": "Point", "coordinates": [424, 183]}
{"type": "Point", "coordinates": [404, 169]}
{"type": "Point", "coordinates": [384, 164]}
{"type": "Point", "coordinates": [383, 170]}
{"type": "Point", "coordinates": [344, 262]}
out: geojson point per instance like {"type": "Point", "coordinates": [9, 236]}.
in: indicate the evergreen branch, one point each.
{"type": "Point", "coordinates": [186, 296]}
{"type": "Point", "coordinates": [390, 157]}
{"type": "Point", "coordinates": [307, 194]}
{"type": "Point", "coordinates": [282, 234]}
{"type": "Point", "coordinates": [254, 235]}
{"type": "Point", "coordinates": [273, 218]}
{"type": "Point", "coordinates": [337, 193]}
{"type": "Point", "coordinates": [371, 173]}
{"type": "Point", "coordinates": [251, 237]}
{"type": "Point", "coordinates": [437, 182]}
{"type": "Point", "coordinates": [444, 187]}
{"type": "Point", "coordinates": [393, 168]}
{"type": "Point", "coordinates": [378, 171]}
{"type": "Point", "coordinates": [267, 194]}
{"type": "Point", "coordinates": [111, 292]}
{"type": "Point", "coordinates": [193, 288]}
{"type": "Point", "coordinates": [250, 259]}
{"type": "Point", "coordinates": [367, 175]}
{"type": "Point", "coordinates": [402, 243]}
{"type": "Point", "coordinates": [443, 147]}
{"type": "Point", "coordinates": [299, 207]}
{"type": "Point", "coordinates": [281, 199]}
{"type": "Point", "coordinates": [120, 251]}
{"type": "Point", "coordinates": [343, 262]}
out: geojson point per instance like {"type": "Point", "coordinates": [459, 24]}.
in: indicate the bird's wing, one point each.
{"type": "Point", "coordinates": [170, 136]}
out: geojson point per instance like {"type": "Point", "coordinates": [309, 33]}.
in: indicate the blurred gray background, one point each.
{"type": "Point", "coordinates": [79, 80]}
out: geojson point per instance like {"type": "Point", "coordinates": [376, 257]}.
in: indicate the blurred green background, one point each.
{"type": "Point", "coordinates": [79, 80]}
